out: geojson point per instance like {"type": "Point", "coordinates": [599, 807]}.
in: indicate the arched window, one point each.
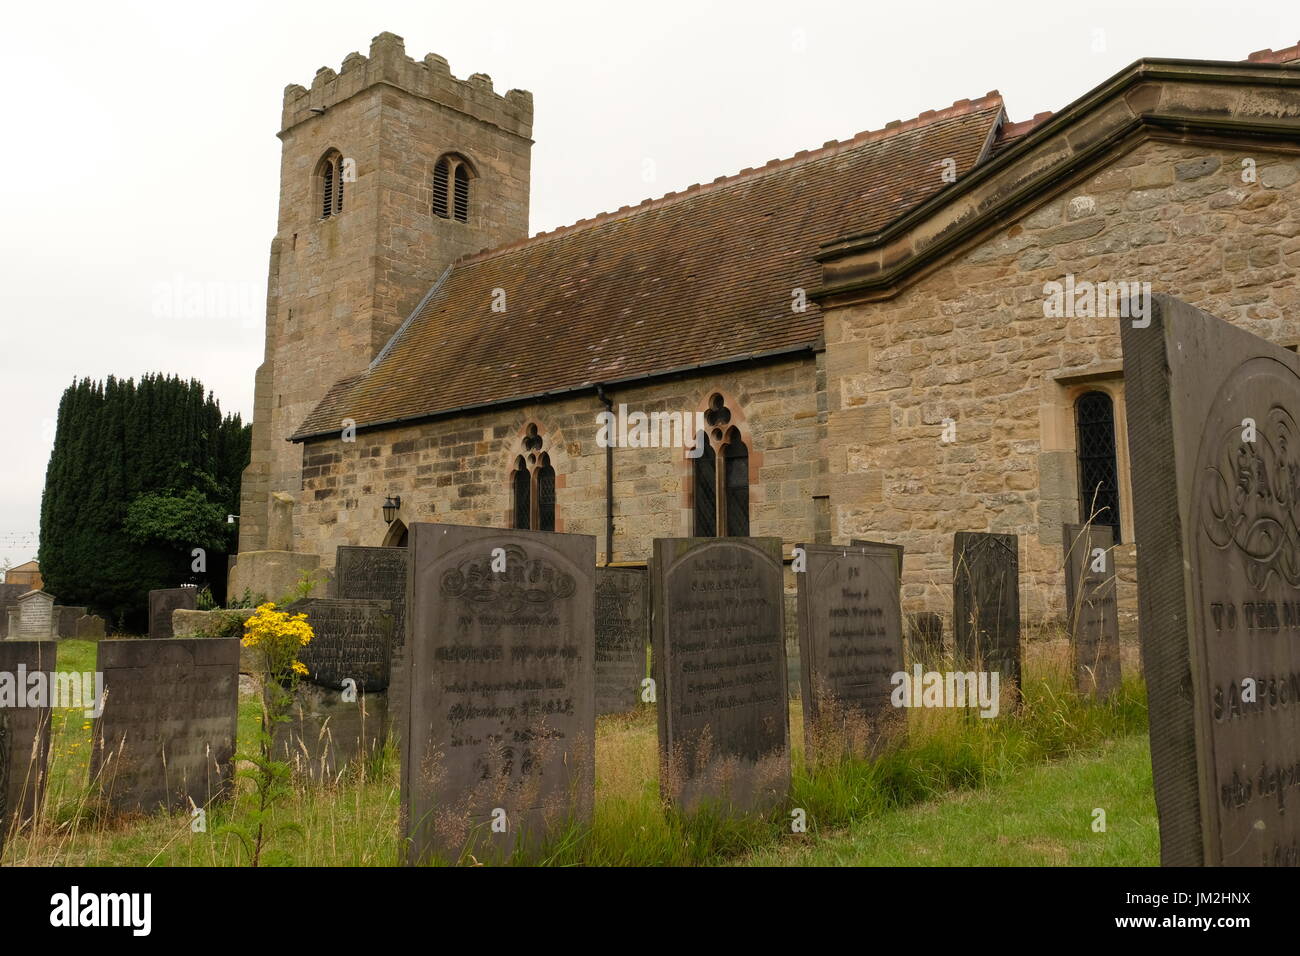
{"type": "Point", "coordinates": [329, 183]}
{"type": "Point", "coordinates": [721, 478]}
{"type": "Point", "coordinates": [451, 178]}
{"type": "Point", "coordinates": [1094, 416]}
{"type": "Point", "coordinates": [532, 485]}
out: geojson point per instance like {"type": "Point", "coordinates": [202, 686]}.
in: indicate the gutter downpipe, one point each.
{"type": "Point", "coordinates": [609, 480]}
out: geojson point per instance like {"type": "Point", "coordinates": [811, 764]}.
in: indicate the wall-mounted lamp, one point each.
{"type": "Point", "coordinates": [391, 504]}
{"type": "Point", "coordinates": [230, 519]}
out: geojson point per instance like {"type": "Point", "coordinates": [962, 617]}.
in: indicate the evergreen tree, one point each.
{"type": "Point", "coordinates": [141, 474]}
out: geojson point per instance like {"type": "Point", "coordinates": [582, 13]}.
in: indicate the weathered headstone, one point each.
{"type": "Point", "coordinates": [161, 604]}
{"type": "Point", "coordinates": [895, 549]}
{"type": "Point", "coordinates": [720, 671]}
{"type": "Point", "coordinates": [29, 724]}
{"type": "Point", "coordinates": [986, 603]}
{"type": "Point", "coordinates": [90, 627]}
{"type": "Point", "coordinates": [167, 733]}
{"type": "Point", "coordinates": [851, 644]}
{"type": "Point", "coordinates": [501, 739]}
{"type": "Point", "coordinates": [925, 638]}
{"type": "Point", "coordinates": [340, 708]}
{"type": "Point", "coordinates": [36, 620]}
{"type": "Point", "coordinates": [13, 622]}
{"type": "Point", "coordinates": [67, 617]}
{"type": "Point", "coordinates": [1091, 609]}
{"type": "Point", "coordinates": [4, 778]}
{"type": "Point", "coordinates": [1215, 459]}
{"type": "Point", "coordinates": [9, 595]}
{"type": "Point", "coordinates": [622, 635]}
{"type": "Point", "coordinates": [380, 574]}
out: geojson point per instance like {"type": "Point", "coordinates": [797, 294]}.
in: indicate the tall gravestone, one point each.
{"type": "Point", "coordinates": [29, 726]}
{"type": "Point", "coordinates": [622, 636]}
{"type": "Point", "coordinates": [167, 733]}
{"type": "Point", "coordinates": [1091, 608]}
{"type": "Point", "coordinates": [1215, 459]}
{"type": "Point", "coordinates": [720, 671]}
{"type": "Point", "coordinates": [340, 706]}
{"type": "Point", "coordinates": [36, 617]}
{"type": "Point", "coordinates": [379, 574]}
{"type": "Point", "coordinates": [851, 644]}
{"type": "Point", "coordinates": [161, 604]}
{"type": "Point", "coordinates": [986, 603]}
{"type": "Point", "coordinates": [500, 745]}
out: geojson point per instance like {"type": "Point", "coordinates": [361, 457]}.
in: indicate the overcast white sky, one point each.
{"type": "Point", "coordinates": [141, 152]}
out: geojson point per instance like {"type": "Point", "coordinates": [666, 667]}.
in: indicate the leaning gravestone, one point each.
{"type": "Point", "coordinates": [500, 746]}
{"type": "Point", "coordinates": [720, 671]}
{"type": "Point", "coordinates": [29, 724]}
{"type": "Point", "coordinates": [851, 644]}
{"type": "Point", "coordinates": [36, 618]}
{"type": "Point", "coordinates": [1216, 454]}
{"type": "Point", "coordinates": [161, 604]}
{"type": "Point", "coordinates": [1091, 608]}
{"type": "Point", "coordinates": [340, 706]}
{"type": "Point", "coordinates": [380, 574]}
{"type": "Point", "coordinates": [986, 603]}
{"type": "Point", "coordinates": [622, 635]}
{"type": "Point", "coordinates": [167, 733]}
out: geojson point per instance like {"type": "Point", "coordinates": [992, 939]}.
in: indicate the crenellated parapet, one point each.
{"type": "Point", "coordinates": [430, 79]}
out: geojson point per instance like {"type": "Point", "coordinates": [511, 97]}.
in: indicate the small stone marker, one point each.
{"type": "Point", "coordinates": [29, 726]}
{"type": "Point", "coordinates": [167, 734]}
{"type": "Point", "coordinates": [90, 627]}
{"type": "Point", "coordinates": [720, 671]}
{"type": "Point", "coordinates": [1215, 458]}
{"type": "Point", "coordinates": [380, 574]}
{"type": "Point", "coordinates": [851, 644]}
{"type": "Point", "coordinates": [161, 604]}
{"type": "Point", "coordinates": [340, 709]}
{"type": "Point", "coordinates": [1090, 605]}
{"type": "Point", "coordinates": [986, 603]}
{"type": "Point", "coordinates": [622, 635]}
{"type": "Point", "coordinates": [501, 740]}
{"type": "Point", "coordinates": [36, 619]}
{"type": "Point", "coordinates": [925, 639]}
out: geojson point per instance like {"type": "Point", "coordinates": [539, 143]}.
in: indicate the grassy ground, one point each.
{"type": "Point", "coordinates": [1018, 789]}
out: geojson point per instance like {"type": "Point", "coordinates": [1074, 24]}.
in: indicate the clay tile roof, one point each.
{"type": "Point", "coordinates": [701, 276]}
{"type": "Point", "coordinates": [1290, 55]}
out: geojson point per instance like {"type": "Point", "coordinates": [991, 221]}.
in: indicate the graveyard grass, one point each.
{"type": "Point", "coordinates": [1016, 790]}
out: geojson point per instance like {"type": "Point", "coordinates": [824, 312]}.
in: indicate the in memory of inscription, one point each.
{"type": "Point", "coordinates": [1090, 605]}
{"type": "Point", "coordinates": [500, 747]}
{"type": "Point", "coordinates": [986, 604]}
{"type": "Point", "coordinates": [851, 644]}
{"type": "Point", "coordinates": [1216, 495]}
{"type": "Point", "coordinates": [720, 672]}
{"type": "Point", "coordinates": [622, 636]}
{"type": "Point", "coordinates": [166, 737]}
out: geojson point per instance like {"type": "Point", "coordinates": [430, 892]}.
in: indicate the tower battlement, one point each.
{"type": "Point", "coordinates": [429, 79]}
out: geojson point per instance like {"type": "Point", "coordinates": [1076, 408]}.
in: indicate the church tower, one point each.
{"type": "Point", "coordinates": [390, 170]}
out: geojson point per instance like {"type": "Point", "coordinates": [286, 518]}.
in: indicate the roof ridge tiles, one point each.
{"type": "Point", "coordinates": [959, 108]}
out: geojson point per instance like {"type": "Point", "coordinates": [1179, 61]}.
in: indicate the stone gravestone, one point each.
{"type": "Point", "coordinates": [1090, 605]}
{"type": "Point", "coordinates": [500, 745]}
{"type": "Point", "coordinates": [340, 708]}
{"type": "Point", "coordinates": [720, 671]}
{"type": "Point", "coordinates": [986, 604]}
{"type": "Point", "coordinates": [9, 595]}
{"type": "Point", "coordinates": [29, 726]}
{"type": "Point", "coordinates": [1215, 455]}
{"type": "Point", "coordinates": [90, 627]}
{"type": "Point", "coordinates": [36, 619]}
{"type": "Point", "coordinates": [67, 617]}
{"type": "Point", "coordinates": [167, 733]}
{"type": "Point", "coordinates": [380, 574]}
{"type": "Point", "coordinates": [851, 644]}
{"type": "Point", "coordinates": [622, 634]}
{"type": "Point", "coordinates": [14, 622]}
{"type": "Point", "coordinates": [925, 640]}
{"type": "Point", "coordinates": [4, 778]}
{"type": "Point", "coordinates": [161, 604]}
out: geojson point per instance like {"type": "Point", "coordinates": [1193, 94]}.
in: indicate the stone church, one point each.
{"type": "Point", "coordinates": [866, 331]}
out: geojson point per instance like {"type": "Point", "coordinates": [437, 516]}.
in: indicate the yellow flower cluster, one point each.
{"type": "Point", "coordinates": [279, 634]}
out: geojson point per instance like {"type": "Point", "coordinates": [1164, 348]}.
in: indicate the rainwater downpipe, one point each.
{"type": "Point", "coordinates": [609, 477]}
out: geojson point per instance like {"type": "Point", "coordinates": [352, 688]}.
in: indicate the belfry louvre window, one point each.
{"type": "Point", "coordinates": [721, 476]}
{"type": "Point", "coordinates": [329, 178]}
{"type": "Point", "coordinates": [451, 179]}
{"type": "Point", "coordinates": [1094, 416]}
{"type": "Point", "coordinates": [532, 485]}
